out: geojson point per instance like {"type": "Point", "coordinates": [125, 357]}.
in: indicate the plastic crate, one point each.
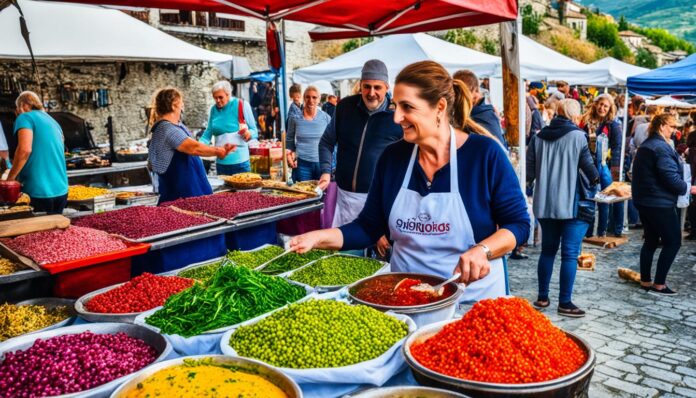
{"type": "Point", "coordinates": [80, 281]}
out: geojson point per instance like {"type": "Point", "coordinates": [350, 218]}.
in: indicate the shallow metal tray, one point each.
{"type": "Point", "coordinates": [275, 208]}
{"type": "Point", "coordinates": [330, 288]}
{"type": "Point", "coordinates": [214, 222]}
{"type": "Point", "coordinates": [51, 303]}
{"type": "Point", "coordinates": [255, 367]}
{"type": "Point", "coordinates": [22, 276]}
{"type": "Point", "coordinates": [155, 340]}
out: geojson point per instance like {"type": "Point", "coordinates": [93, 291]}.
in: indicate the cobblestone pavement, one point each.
{"type": "Point", "coordinates": [645, 345]}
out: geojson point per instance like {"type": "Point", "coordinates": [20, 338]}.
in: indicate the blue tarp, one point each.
{"type": "Point", "coordinates": [676, 79]}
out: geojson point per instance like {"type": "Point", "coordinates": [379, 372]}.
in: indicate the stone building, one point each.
{"type": "Point", "coordinates": [130, 85]}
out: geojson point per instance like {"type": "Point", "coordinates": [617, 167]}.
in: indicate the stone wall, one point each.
{"type": "Point", "coordinates": [128, 99]}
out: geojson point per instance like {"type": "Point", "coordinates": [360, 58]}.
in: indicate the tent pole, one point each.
{"type": "Point", "coordinates": [521, 106]}
{"type": "Point", "coordinates": [623, 137]}
{"type": "Point", "coordinates": [283, 92]}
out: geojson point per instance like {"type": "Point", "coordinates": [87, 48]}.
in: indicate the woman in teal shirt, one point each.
{"type": "Point", "coordinates": [39, 161]}
{"type": "Point", "coordinates": [225, 125]}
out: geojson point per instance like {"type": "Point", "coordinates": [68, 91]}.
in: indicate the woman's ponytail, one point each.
{"type": "Point", "coordinates": [461, 110]}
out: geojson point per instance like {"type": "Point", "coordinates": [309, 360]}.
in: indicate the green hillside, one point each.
{"type": "Point", "coordinates": [676, 16]}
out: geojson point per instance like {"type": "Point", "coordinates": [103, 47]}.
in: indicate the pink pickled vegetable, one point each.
{"type": "Point", "coordinates": [58, 245]}
{"type": "Point", "coordinates": [72, 363]}
{"type": "Point", "coordinates": [141, 221]}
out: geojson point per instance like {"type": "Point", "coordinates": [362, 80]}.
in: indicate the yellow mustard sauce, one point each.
{"type": "Point", "coordinates": [206, 380]}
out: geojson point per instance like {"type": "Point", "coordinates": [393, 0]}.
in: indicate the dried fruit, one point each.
{"type": "Point", "coordinates": [81, 192]}
{"type": "Point", "coordinates": [229, 204]}
{"type": "Point", "coordinates": [58, 245]}
{"type": "Point", "coordinates": [139, 222]}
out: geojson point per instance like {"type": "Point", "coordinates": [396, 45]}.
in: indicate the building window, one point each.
{"type": "Point", "coordinates": [176, 17]}
{"type": "Point", "coordinates": [223, 21]}
{"type": "Point", "coordinates": [140, 15]}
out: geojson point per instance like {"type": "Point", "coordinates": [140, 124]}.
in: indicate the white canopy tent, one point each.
{"type": "Point", "coordinates": [538, 62]}
{"type": "Point", "coordinates": [397, 51]}
{"type": "Point", "coordinates": [669, 101]}
{"type": "Point", "coordinates": [619, 70]}
{"type": "Point", "coordinates": [62, 31]}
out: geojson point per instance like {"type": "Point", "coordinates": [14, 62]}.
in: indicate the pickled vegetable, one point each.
{"type": "Point", "coordinates": [16, 320]}
{"type": "Point", "coordinates": [293, 261]}
{"type": "Point", "coordinates": [336, 270]}
{"type": "Point", "coordinates": [81, 192]}
{"type": "Point", "coordinates": [252, 259]}
{"type": "Point", "coordinates": [319, 334]}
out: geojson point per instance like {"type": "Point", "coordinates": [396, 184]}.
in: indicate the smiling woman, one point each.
{"type": "Point", "coordinates": [445, 194]}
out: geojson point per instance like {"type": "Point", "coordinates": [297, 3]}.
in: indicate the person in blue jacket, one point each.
{"type": "Point", "coordinates": [174, 155]}
{"type": "Point", "coordinates": [362, 126]}
{"type": "Point", "coordinates": [232, 122]}
{"type": "Point", "coordinates": [446, 194]}
{"type": "Point", "coordinates": [482, 113]}
{"type": "Point", "coordinates": [604, 138]}
{"type": "Point", "coordinates": [658, 179]}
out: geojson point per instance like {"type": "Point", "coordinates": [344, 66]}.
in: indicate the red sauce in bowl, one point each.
{"type": "Point", "coordinates": [380, 290]}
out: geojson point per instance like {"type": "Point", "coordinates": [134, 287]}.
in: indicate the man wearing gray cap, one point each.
{"type": "Point", "coordinates": [362, 126]}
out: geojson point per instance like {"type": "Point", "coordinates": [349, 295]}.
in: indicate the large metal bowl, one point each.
{"type": "Point", "coordinates": [156, 341]}
{"type": "Point", "coordinates": [421, 314]}
{"type": "Point", "coordinates": [255, 367]}
{"type": "Point", "coordinates": [51, 303]}
{"type": "Point", "coordinates": [574, 385]}
{"type": "Point", "coordinates": [405, 392]}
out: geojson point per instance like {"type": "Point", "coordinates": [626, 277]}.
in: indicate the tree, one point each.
{"type": "Point", "coordinates": [623, 24]}
{"type": "Point", "coordinates": [489, 47]}
{"type": "Point", "coordinates": [530, 20]}
{"type": "Point", "coordinates": [646, 59]}
{"type": "Point", "coordinates": [462, 37]}
{"type": "Point", "coordinates": [620, 51]}
{"type": "Point", "coordinates": [602, 32]}
{"type": "Point", "coordinates": [352, 44]}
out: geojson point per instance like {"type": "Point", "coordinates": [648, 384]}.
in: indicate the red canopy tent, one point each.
{"type": "Point", "coordinates": [352, 18]}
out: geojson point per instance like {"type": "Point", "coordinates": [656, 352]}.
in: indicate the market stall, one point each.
{"type": "Point", "coordinates": [324, 344]}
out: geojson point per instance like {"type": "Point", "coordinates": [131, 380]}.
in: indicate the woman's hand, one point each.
{"type": "Point", "coordinates": [382, 246]}
{"type": "Point", "coordinates": [222, 151]}
{"type": "Point", "coordinates": [473, 265]}
{"type": "Point", "coordinates": [693, 189]}
{"type": "Point", "coordinates": [324, 181]}
{"type": "Point", "coordinates": [292, 161]}
{"type": "Point", "coordinates": [244, 131]}
{"type": "Point", "coordinates": [305, 242]}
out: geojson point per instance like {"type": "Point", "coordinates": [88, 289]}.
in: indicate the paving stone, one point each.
{"type": "Point", "coordinates": [661, 374]}
{"type": "Point", "coordinates": [690, 382]}
{"type": "Point", "coordinates": [679, 357]}
{"type": "Point", "coordinates": [669, 361]}
{"type": "Point", "coordinates": [612, 353]}
{"type": "Point", "coordinates": [636, 360]}
{"type": "Point", "coordinates": [609, 371]}
{"type": "Point", "coordinates": [687, 392]}
{"type": "Point", "coordinates": [633, 378]}
{"type": "Point", "coordinates": [652, 357]}
{"type": "Point", "coordinates": [622, 366]}
{"type": "Point", "coordinates": [660, 385]}
{"type": "Point", "coordinates": [618, 345]}
{"type": "Point", "coordinates": [686, 371]}
{"type": "Point", "coordinates": [633, 389]}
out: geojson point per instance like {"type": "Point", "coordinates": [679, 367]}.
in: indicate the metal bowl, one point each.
{"type": "Point", "coordinates": [81, 309]}
{"type": "Point", "coordinates": [576, 384]}
{"type": "Point", "coordinates": [424, 314]}
{"type": "Point", "coordinates": [155, 340]}
{"type": "Point", "coordinates": [255, 367]}
{"type": "Point", "coordinates": [51, 303]}
{"type": "Point", "coordinates": [405, 392]}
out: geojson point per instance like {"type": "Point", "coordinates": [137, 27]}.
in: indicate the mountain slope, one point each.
{"type": "Point", "coordinates": [677, 16]}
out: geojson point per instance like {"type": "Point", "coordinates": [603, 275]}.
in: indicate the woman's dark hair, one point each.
{"type": "Point", "coordinates": [658, 121]}
{"type": "Point", "coordinates": [163, 102]}
{"type": "Point", "coordinates": [434, 82]}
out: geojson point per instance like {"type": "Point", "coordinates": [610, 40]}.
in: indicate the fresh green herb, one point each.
{"type": "Point", "coordinates": [231, 296]}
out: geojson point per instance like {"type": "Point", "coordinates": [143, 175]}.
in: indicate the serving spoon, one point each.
{"type": "Point", "coordinates": [436, 290]}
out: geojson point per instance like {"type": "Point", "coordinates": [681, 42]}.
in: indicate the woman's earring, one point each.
{"type": "Point", "coordinates": [437, 121]}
